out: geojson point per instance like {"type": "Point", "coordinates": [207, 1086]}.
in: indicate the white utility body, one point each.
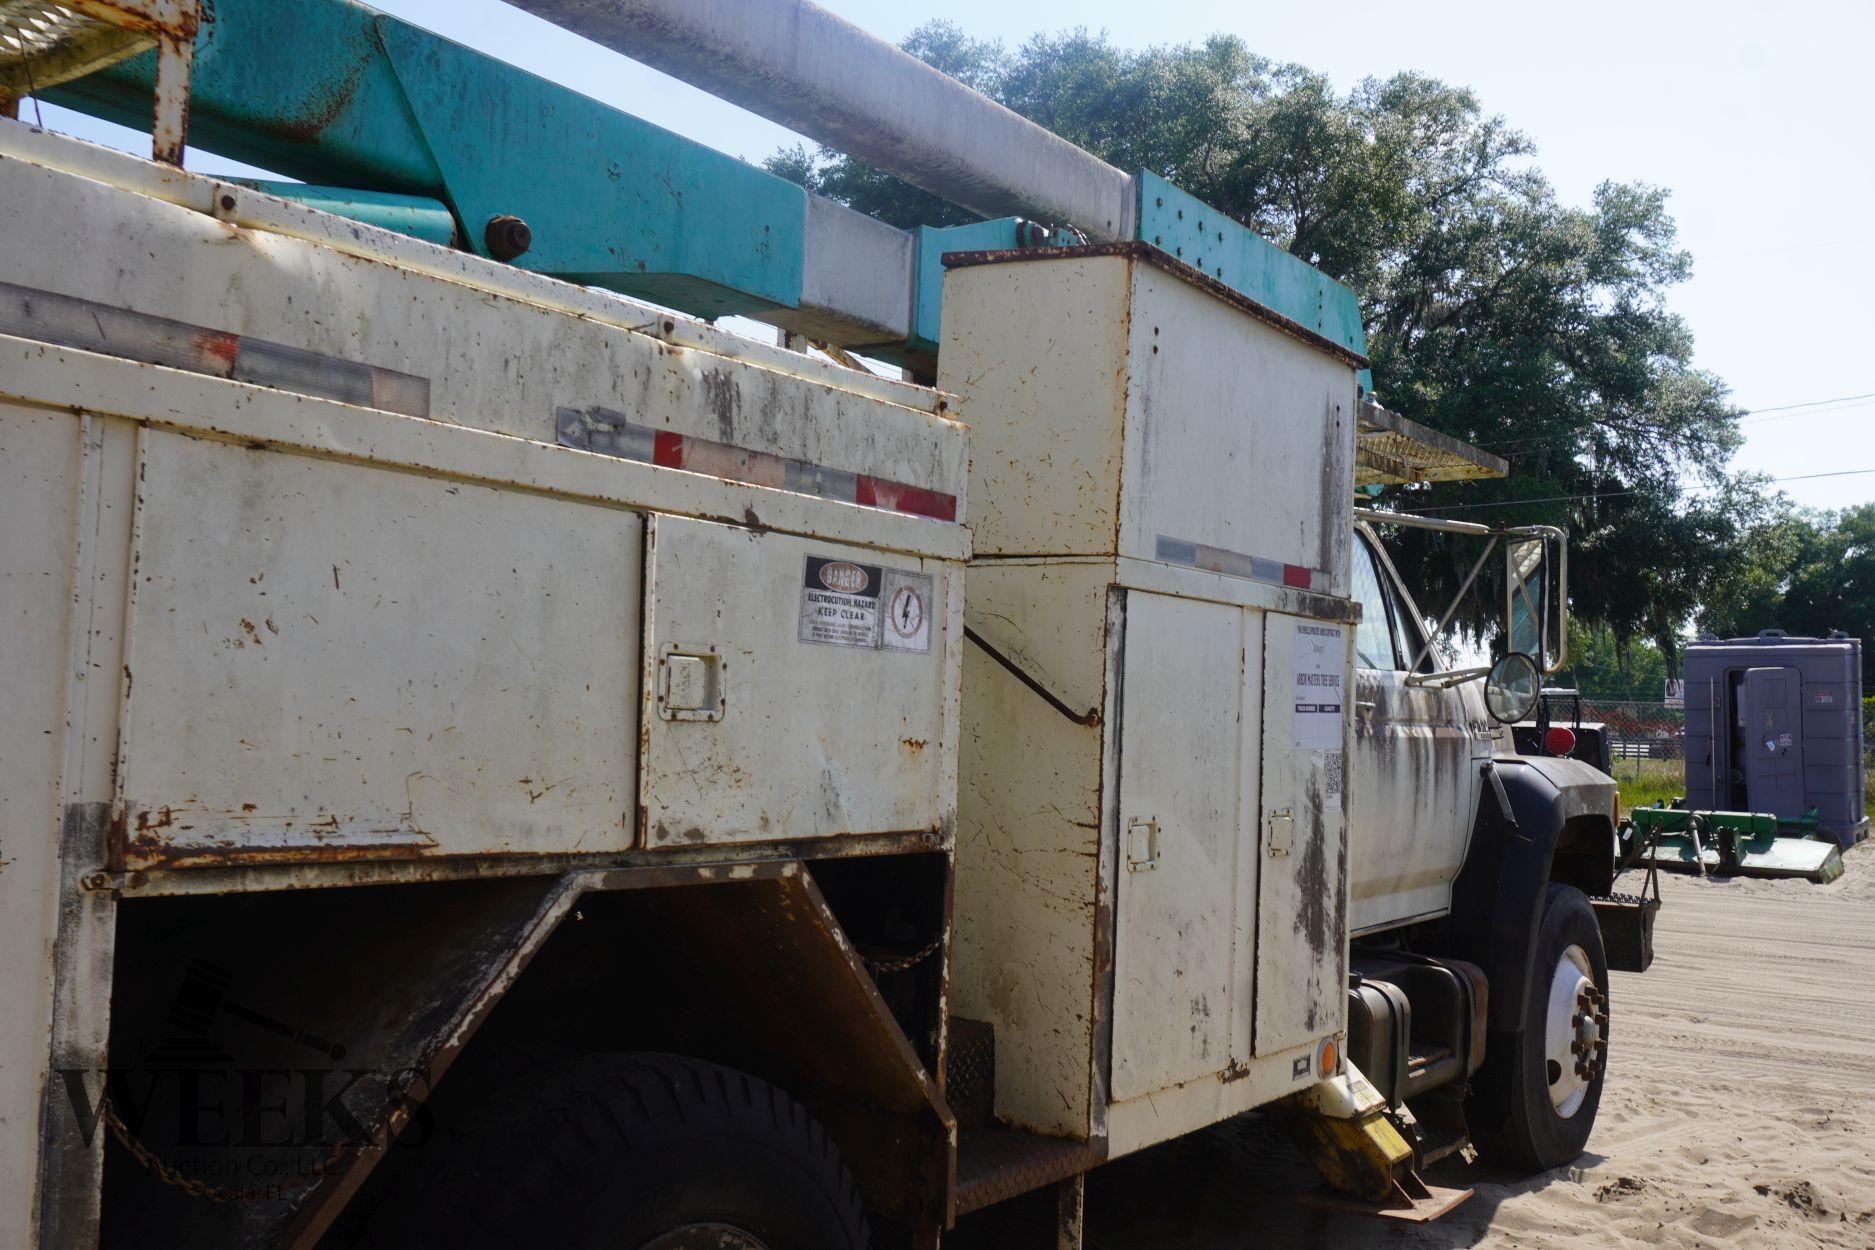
{"type": "Point", "coordinates": [1003, 775]}
{"type": "Point", "coordinates": [1162, 541]}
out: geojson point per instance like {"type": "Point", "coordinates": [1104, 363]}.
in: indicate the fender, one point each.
{"type": "Point", "coordinates": [1560, 827]}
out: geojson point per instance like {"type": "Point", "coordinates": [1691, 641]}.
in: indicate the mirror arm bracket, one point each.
{"type": "Point", "coordinates": [1447, 679]}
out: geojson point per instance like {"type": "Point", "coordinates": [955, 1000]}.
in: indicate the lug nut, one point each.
{"type": "Point", "coordinates": [507, 236]}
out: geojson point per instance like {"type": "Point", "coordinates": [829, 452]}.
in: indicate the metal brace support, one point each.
{"type": "Point", "coordinates": [1070, 1212]}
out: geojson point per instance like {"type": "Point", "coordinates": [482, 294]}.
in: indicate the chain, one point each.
{"type": "Point", "coordinates": [909, 961]}
{"type": "Point", "coordinates": [201, 1189]}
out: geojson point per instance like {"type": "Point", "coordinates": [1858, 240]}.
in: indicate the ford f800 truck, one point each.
{"type": "Point", "coordinates": [493, 760]}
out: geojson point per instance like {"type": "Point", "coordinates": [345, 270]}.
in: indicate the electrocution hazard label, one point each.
{"type": "Point", "coordinates": [844, 604]}
{"type": "Point", "coordinates": [1320, 653]}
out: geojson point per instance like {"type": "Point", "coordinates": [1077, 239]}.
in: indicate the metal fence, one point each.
{"type": "Point", "coordinates": [1639, 731]}
{"type": "Point", "coordinates": [1647, 741]}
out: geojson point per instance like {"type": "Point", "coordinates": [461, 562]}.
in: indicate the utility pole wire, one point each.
{"type": "Point", "coordinates": [1615, 494]}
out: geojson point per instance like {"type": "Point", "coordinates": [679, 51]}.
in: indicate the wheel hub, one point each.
{"type": "Point", "coordinates": [706, 1237]}
{"type": "Point", "coordinates": [1575, 1033]}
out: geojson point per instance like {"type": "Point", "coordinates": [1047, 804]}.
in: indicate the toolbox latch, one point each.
{"type": "Point", "coordinates": [690, 683]}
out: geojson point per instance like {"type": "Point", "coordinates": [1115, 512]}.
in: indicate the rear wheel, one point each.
{"type": "Point", "coordinates": [643, 1152]}
{"type": "Point", "coordinates": [1533, 1106]}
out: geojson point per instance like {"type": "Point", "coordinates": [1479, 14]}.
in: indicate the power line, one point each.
{"type": "Point", "coordinates": [1807, 412]}
{"type": "Point", "coordinates": [1809, 403]}
{"type": "Point", "coordinates": [1773, 412]}
{"type": "Point", "coordinates": [1616, 494]}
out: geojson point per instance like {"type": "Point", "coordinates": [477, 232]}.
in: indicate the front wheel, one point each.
{"type": "Point", "coordinates": [1534, 1103]}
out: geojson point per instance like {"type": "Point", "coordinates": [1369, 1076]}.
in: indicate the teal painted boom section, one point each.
{"type": "Point", "coordinates": [331, 91]}
{"type": "Point", "coordinates": [414, 215]}
{"type": "Point", "coordinates": [1180, 223]}
{"type": "Point", "coordinates": [928, 294]}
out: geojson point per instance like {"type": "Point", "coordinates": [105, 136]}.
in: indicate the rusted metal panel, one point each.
{"type": "Point", "coordinates": [289, 1012]}
{"type": "Point", "coordinates": [1046, 427]}
{"type": "Point", "coordinates": [43, 45]}
{"type": "Point", "coordinates": [496, 346]}
{"type": "Point", "coordinates": [334, 662]}
{"type": "Point", "coordinates": [92, 650]}
{"type": "Point", "coordinates": [330, 874]}
{"type": "Point", "coordinates": [1030, 903]}
{"type": "Point", "coordinates": [61, 580]}
{"type": "Point", "coordinates": [1392, 449]}
{"type": "Point", "coordinates": [995, 1164]}
{"type": "Point", "coordinates": [1239, 442]}
{"type": "Point", "coordinates": [1302, 897]}
{"type": "Point", "coordinates": [50, 44]}
{"type": "Point", "coordinates": [1164, 261]}
{"type": "Point", "coordinates": [1209, 463]}
{"type": "Point", "coordinates": [815, 683]}
{"type": "Point", "coordinates": [39, 470]}
{"type": "Point", "coordinates": [255, 417]}
{"type": "Point", "coordinates": [1188, 857]}
{"type": "Point", "coordinates": [1216, 441]}
{"type": "Point", "coordinates": [771, 948]}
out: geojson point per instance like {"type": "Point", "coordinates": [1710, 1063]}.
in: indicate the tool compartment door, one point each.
{"type": "Point", "coordinates": [333, 661]}
{"type": "Point", "coordinates": [1182, 987]}
{"type": "Point", "coordinates": [794, 688]}
{"type": "Point", "coordinates": [1302, 911]}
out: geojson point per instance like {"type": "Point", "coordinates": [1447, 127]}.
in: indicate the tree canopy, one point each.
{"type": "Point", "coordinates": [1494, 311]}
{"type": "Point", "coordinates": [1806, 574]}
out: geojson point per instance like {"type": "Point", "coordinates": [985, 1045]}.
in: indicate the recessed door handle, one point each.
{"type": "Point", "coordinates": [1142, 846]}
{"type": "Point", "coordinates": [1282, 832]}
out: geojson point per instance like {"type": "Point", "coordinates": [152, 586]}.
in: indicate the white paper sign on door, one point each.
{"type": "Point", "coordinates": [1320, 660]}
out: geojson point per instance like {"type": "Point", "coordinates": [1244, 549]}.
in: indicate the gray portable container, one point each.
{"type": "Point", "coordinates": [1774, 724]}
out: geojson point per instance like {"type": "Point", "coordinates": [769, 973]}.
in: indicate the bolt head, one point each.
{"type": "Point", "coordinates": [507, 236]}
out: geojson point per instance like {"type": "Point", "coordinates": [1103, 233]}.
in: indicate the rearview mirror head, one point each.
{"type": "Point", "coordinates": [1534, 592]}
{"type": "Point", "coordinates": [1512, 687]}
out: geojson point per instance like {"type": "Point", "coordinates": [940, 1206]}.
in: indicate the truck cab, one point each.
{"type": "Point", "coordinates": [1478, 877]}
{"type": "Point", "coordinates": [1417, 756]}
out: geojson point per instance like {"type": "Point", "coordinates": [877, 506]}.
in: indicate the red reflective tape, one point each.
{"type": "Point", "coordinates": [1297, 576]}
{"type": "Point", "coordinates": [899, 497]}
{"type": "Point", "coordinates": [218, 350]}
{"type": "Point", "coordinates": [610, 433]}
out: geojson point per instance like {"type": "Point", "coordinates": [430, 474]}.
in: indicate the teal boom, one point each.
{"type": "Point", "coordinates": [353, 96]}
{"type": "Point", "coordinates": [414, 129]}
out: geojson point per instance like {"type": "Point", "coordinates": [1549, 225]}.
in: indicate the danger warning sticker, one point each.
{"type": "Point", "coordinates": [844, 604]}
{"type": "Point", "coordinates": [907, 622]}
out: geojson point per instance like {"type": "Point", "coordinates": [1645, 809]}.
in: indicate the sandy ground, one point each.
{"type": "Point", "coordinates": [1739, 1112]}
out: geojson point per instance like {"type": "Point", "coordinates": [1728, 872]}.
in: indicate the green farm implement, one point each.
{"type": "Point", "coordinates": [1749, 844]}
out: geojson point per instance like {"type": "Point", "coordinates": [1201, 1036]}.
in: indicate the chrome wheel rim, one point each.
{"type": "Point", "coordinates": [1575, 1032]}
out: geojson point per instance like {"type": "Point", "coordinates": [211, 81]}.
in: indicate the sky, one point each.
{"type": "Point", "coordinates": [1753, 116]}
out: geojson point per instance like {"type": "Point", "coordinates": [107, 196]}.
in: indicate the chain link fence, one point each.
{"type": "Point", "coordinates": [1647, 743]}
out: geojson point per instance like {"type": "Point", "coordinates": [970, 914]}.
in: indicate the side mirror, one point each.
{"type": "Point", "coordinates": [1536, 591]}
{"type": "Point", "coordinates": [1511, 688]}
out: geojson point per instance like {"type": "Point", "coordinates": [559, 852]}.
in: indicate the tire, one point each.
{"type": "Point", "coordinates": [637, 1152]}
{"type": "Point", "coordinates": [1529, 1109]}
